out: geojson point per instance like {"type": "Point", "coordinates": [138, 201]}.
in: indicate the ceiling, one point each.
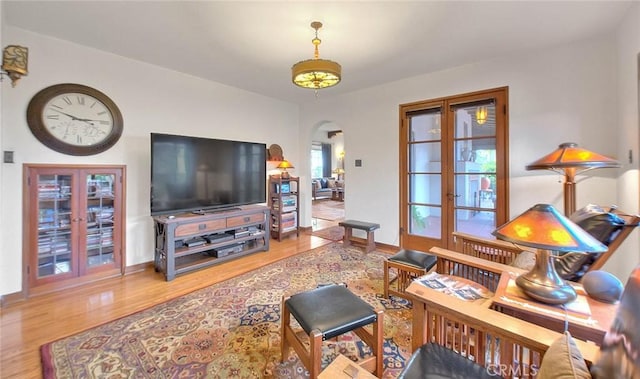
{"type": "Point", "coordinates": [252, 45]}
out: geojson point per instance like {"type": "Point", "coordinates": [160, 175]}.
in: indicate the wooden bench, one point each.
{"type": "Point", "coordinates": [368, 243]}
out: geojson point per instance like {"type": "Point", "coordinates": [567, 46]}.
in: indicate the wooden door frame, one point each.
{"type": "Point", "coordinates": [501, 96]}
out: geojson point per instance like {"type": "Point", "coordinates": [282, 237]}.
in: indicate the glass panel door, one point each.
{"type": "Point", "coordinates": [425, 174]}
{"type": "Point", "coordinates": [475, 168]}
{"type": "Point", "coordinates": [55, 243]}
{"type": "Point", "coordinates": [99, 243]}
{"type": "Point", "coordinates": [453, 168]}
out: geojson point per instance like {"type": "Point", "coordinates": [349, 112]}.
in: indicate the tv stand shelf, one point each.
{"type": "Point", "coordinates": [243, 230]}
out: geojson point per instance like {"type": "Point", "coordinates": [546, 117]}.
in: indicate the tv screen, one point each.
{"type": "Point", "coordinates": [200, 174]}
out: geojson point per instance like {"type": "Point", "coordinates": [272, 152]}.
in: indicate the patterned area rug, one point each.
{"type": "Point", "coordinates": [333, 233]}
{"type": "Point", "coordinates": [330, 210]}
{"type": "Point", "coordinates": [232, 329]}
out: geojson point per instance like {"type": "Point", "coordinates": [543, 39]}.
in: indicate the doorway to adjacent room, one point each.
{"type": "Point", "coordinates": [327, 179]}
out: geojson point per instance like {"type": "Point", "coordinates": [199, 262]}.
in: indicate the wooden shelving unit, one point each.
{"type": "Point", "coordinates": [284, 205]}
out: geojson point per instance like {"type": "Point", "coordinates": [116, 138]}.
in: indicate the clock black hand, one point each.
{"type": "Point", "coordinates": [88, 119]}
{"type": "Point", "coordinates": [74, 118]}
{"type": "Point", "coordinates": [66, 114]}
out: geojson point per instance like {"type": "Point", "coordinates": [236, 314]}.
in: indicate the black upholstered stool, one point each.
{"type": "Point", "coordinates": [327, 312]}
{"type": "Point", "coordinates": [409, 264]}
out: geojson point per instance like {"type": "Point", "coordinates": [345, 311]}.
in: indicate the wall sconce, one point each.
{"type": "Point", "coordinates": [14, 62]}
{"type": "Point", "coordinates": [481, 114]}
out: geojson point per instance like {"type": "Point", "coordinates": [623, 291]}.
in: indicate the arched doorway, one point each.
{"type": "Point", "coordinates": [328, 176]}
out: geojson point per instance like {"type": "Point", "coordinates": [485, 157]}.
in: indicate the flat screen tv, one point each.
{"type": "Point", "coordinates": [193, 174]}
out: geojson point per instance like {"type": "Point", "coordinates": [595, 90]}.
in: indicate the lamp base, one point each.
{"type": "Point", "coordinates": [544, 284]}
{"type": "Point", "coordinates": [285, 175]}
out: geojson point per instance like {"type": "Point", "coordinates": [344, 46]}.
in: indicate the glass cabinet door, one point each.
{"type": "Point", "coordinates": [99, 244]}
{"type": "Point", "coordinates": [55, 224]}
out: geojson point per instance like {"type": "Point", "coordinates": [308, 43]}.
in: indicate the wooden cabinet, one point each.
{"type": "Point", "coordinates": [285, 210]}
{"type": "Point", "coordinates": [191, 241]}
{"type": "Point", "coordinates": [73, 224]}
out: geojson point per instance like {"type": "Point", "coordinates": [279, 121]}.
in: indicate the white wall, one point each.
{"type": "Point", "coordinates": [3, 267]}
{"type": "Point", "coordinates": [628, 107]}
{"type": "Point", "coordinates": [151, 99]}
{"type": "Point", "coordinates": [564, 94]}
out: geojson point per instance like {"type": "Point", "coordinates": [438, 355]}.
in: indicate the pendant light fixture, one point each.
{"type": "Point", "coordinates": [316, 73]}
{"type": "Point", "coordinates": [481, 114]}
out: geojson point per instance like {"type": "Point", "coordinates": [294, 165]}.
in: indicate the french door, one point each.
{"type": "Point", "coordinates": [453, 168]}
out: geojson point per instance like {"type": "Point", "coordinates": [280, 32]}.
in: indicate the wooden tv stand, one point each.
{"type": "Point", "coordinates": [190, 241]}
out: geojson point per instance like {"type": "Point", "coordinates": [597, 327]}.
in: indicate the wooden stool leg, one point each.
{"type": "Point", "coordinates": [284, 325]}
{"type": "Point", "coordinates": [378, 336]}
{"type": "Point", "coordinates": [315, 353]}
{"type": "Point", "coordinates": [371, 244]}
{"type": "Point", "coordinates": [348, 234]}
{"type": "Point", "coordinates": [386, 279]}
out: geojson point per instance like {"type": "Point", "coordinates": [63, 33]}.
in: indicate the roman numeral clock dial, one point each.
{"type": "Point", "coordinates": [74, 119]}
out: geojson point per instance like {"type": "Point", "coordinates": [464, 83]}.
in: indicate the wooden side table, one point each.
{"type": "Point", "coordinates": [421, 319]}
{"type": "Point", "coordinates": [587, 319]}
{"type": "Point", "coordinates": [337, 194]}
{"type": "Point", "coordinates": [343, 368]}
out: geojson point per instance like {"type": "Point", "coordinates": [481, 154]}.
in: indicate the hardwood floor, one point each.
{"type": "Point", "coordinates": [27, 325]}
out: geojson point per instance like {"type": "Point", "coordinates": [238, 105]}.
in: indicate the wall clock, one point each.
{"type": "Point", "coordinates": [74, 119]}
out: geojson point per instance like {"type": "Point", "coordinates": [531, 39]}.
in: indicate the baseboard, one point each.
{"type": "Point", "coordinates": [11, 298]}
{"type": "Point", "coordinates": [306, 229]}
{"type": "Point", "coordinates": [16, 297]}
{"type": "Point", "coordinates": [140, 267]}
{"type": "Point", "coordinates": [392, 249]}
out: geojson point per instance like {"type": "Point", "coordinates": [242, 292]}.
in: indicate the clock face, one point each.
{"type": "Point", "coordinates": [77, 119]}
{"type": "Point", "coordinates": [74, 119]}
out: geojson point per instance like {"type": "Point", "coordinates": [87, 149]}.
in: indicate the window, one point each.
{"type": "Point", "coordinates": [316, 160]}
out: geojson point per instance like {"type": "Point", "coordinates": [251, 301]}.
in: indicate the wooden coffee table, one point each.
{"type": "Point", "coordinates": [420, 319]}
{"type": "Point", "coordinates": [343, 368]}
